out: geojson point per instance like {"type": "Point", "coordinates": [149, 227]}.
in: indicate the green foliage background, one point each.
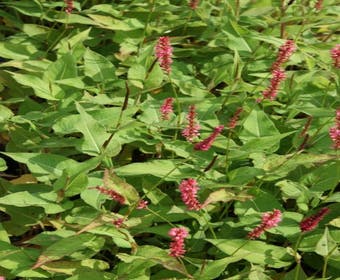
{"type": "Point", "coordinates": [80, 94]}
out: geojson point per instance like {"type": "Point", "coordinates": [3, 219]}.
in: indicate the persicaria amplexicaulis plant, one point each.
{"type": "Point", "coordinates": [334, 132]}
{"type": "Point", "coordinates": [269, 220]}
{"type": "Point", "coordinates": [164, 53]}
{"type": "Point", "coordinates": [167, 108]}
{"type": "Point", "coordinates": [335, 54]}
{"type": "Point", "coordinates": [312, 222]}
{"type": "Point", "coordinates": [177, 246]}
{"type": "Point", "coordinates": [188, 189]}
{"type": "Point", "coordinates": [205, 144]}
{"type": "Point", "coordinates": [192, 129]}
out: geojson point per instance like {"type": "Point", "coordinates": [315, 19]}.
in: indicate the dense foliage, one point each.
{"type": "Point", "coordinates": [169, 139]}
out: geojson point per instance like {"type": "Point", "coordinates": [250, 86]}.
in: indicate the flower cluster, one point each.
{"type": "Point", "coordinates": [188, 189]}
{"type": "Point", "coordinates": [142, 204]}
{"type": "Point", "coordinates": [164, 53]}
{"type": "Point", "coordinates": [167, 108]}
{"type": "Point", "coordinates": [278, 74]}
{"type": "Point", "coordinates": [311, 222]}
{"type": "Point", "coordinates": [113, 194]}
{"type": "Point", "coordinates": [334, 132]}
{"type": "Point", "coordinates": [285, 51]}
{"type": "Point", "coordinates": [318, 5]}
{"type": "Point", "coordinates": [177, 245]}
{"type": "Point", "coordinates": [193, 4]}
{"type": "Point", "coordinates": [271, 92]}
{"type": "Point", "coordinates": [192, 129]}
{"type": "Point", "coordinates": [69, 6]}
{"type": "Point", "coordinates": [269, 220]}
{"type": "Point", "coordinates": [118, 223]}
{"type": "Point", "coordinates": [205, 144]}
{"type": "Point", "coordinates": [335, 54]}
{"type": "Point", "coordinates": [233, 121]}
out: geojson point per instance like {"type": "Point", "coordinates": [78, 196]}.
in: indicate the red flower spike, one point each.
{"type": "Point", "coordinates": [335, 54]}
{"type": "Point", "coordinates": [113, 194]}
{"type": "Point", "coordinates": [69, 6]}
{"type": "Point", "coordinates": [318, 5]}
{"type": "Point", "coordinates": [205, 144]}
{"type": "Point", "coordinates": [163, 52]}
{"type": "Point", "coordinates": [269, 220]}
{"type": "Point", "coordinates": [271, 92]}
{"type": "Point", "coordinates": [192, 129]}
{"type": "Point", "coordinates": [142, 204]}
{"type": "Point", "coordinates": [312, 222]}
{"type": "Point", "coordinates": [177, 245]}
{"type": "Point", "coordinates": [167, 108]}
{"type": "Point", "coordinates": [188, 189]}
{"type": "Point", "coordinates": [193, 4]}
{"type": "Point", "coordinates": [285, 51]}
{"type": "Point", "coordinates": [233, 121]}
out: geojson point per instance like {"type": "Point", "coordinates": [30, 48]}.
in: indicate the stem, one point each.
{"type": "Point", "coordinates": [296, 277]}
{"type": "Point", "coordinates": [227, 153]}
{"type": "Point", "coordinates": [179, 110]}
{"type": "Point", "coordinates": [239, 248]}
{"type": "Point", "coordinates": [324, 269]}
{"type": "Point", "coordinates": [152, 6]}
{"type": "Point", "coordinates": [159, 216]}
{"type": "Point", "coordinates": [282, 25]}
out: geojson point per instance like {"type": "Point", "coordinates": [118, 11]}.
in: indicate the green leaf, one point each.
{"type": "Point", "coordinates": [112, 181]}
{"type": "Point", "coordinates": [255, 251]}
{"type": "Point", "coordinates": [167, 169]}
{"type": "Point", "coordinates": [136, 75]}
{"type": "Point", "coordinates": [63, 68]}
{"type": "Point", "coordinates": [3, 165]}
{"type": "Point", "coordinates": [67, 246]}
{"type": "Point", "coordinates": [94, 134]}
{"type": "Point", "coordinates": [326, 245]}
{"type": "Point", "coordinates": [25, 199]}
{"type": "Point", "coordinates": [98, 67]}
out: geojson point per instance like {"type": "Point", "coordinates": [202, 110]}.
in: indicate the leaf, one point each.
{"type": "Point", "coordinates": [63, 68]}
{"type": "Point", "coordinates": [44, 166]}
{"type": "Point", "coordinates": [98, 67]}
{"type": "Point", "coordinates": [257, 125]}
{"type": "Point", "coordinates": [41, 88]}
{"type": "Point", "coordinates": [25, 199]}
{"type": "Point", "coordinates": [136, 75]}
{"type": "Point", "coordinates": [326, 245]}
{"type": "Point", "coordinates": [112, 181]}
{"type": "Point", "coordinates": [94, 134]}
{"type": "Point", "coordinates": [3, 165]}
{"type": "Point", "coordinates": [67, 246]}
{"type": "Point", "coordinates": [254, 251]}
{"type": "Point", "coordinates": [214, 268]}
{"type": "Point", "coordinates": [5, 113]}
{"type": "Point", "coordinates": [167, 169]}
{"type": "Point", "coordinates": [225, 196]}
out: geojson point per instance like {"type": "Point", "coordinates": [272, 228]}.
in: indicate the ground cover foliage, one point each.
{"type": "Point", "coordinates": [100, 179]}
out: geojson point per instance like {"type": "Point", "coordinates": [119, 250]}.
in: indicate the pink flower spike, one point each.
{"type": "Point", "coordinates": [177, 245]}
{"type": "Point", "coordinates": [335, 54]}
{"type": "Point", "coordinates": [334, 132]}
{"type": "Point", "coordinates": [69, 6]}
{"type": "Point", "coordinates": [118, 223]}
{"type": "Point", "coordinates": [167, 108]}
{"type": "Point", "coordinates": [188, 189]}
{"type": "Point", "coordinates": [142, 204]}
{"type": "Point", "coordinates": [164, 53]}
{"type": "Point", "coordinates": [192, 129]}
{"type": "Point", "coordinates": [312, 222]}
{"type": "Point", "coordinates": [285, 51]}
{"type": "Point", "coordinates": [193, 4]}
{"type": "Point", "coordinates": [113, 194]}
{"type": "Point", "coordinates": [205, 144]}
{"type": "Point", "coordinates": [233, 121]}
{"type": "Point", "coordinates": [318, 5]}
{"type": "Point", "coordinates": [271, 92]}
{"type": "Point", "coordinates": [269, 220]}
